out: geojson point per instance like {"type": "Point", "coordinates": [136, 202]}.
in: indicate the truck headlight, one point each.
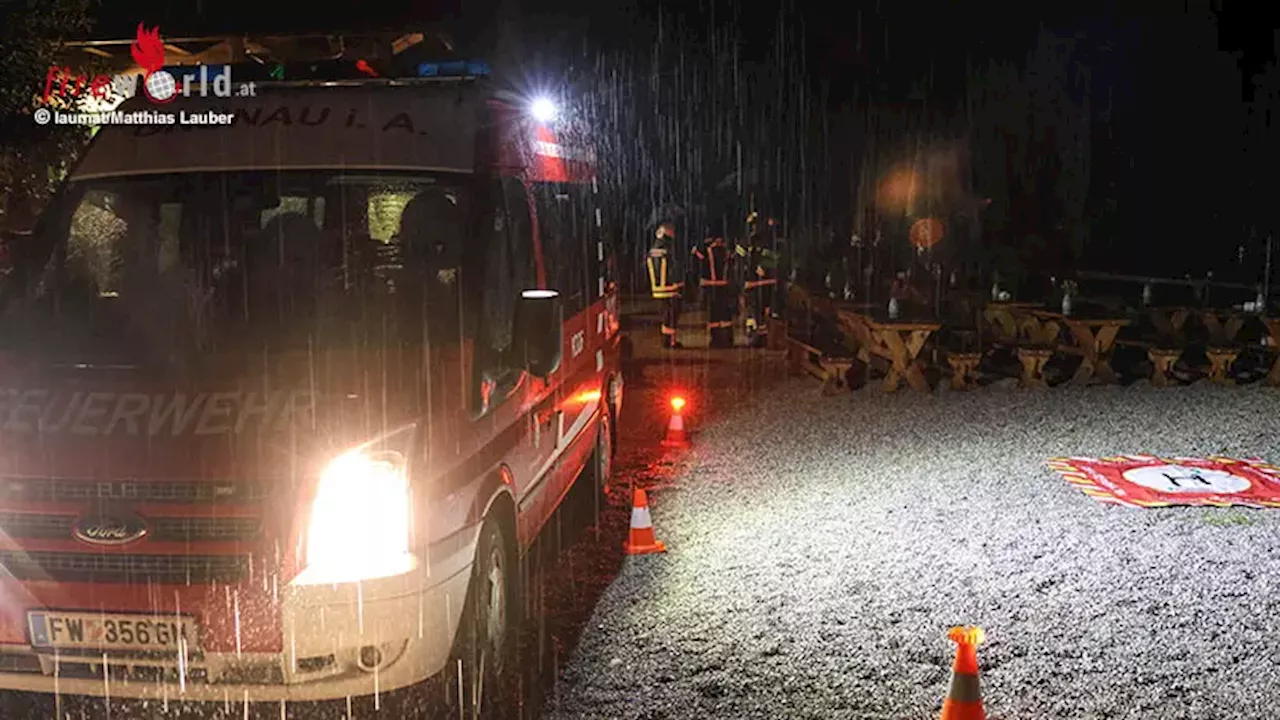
{"type": "Point", "coordinates": [359, 527]}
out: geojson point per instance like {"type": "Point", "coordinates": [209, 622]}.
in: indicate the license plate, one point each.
{"type": "Point", "coordinates": [99, 631]}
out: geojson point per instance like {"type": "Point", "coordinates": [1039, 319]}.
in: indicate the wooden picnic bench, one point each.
{"type": "Point", "coordinates": [1031, 337]}
{"type": "Point", "coordinates": [1162, 354]}
{"type": "Point", "coordinates": [1035, 333]}
{"type": "Point", "coordinates": [1163, 339]}
{"type": "Point", "coordinates": [1003, 317]}
{"type": "Point", "coordinates": [1222, 350]}
{"type": "Point", "coordinates": [1169, 343]}
{"type": "Point", "coordinates": [1162, 361]}
{"type": "Point", "coordinates": [1094, 339]}
{"type": "Point", "coordinates": [1011, 326]}
{"type": "Point", "coordinates": [805, 317]}
{"type": "Point", "coordinates": [1033, 359]}
{"type": "Point", "coordinates": [852, 321]}
{"type": "Point", "coordinates": [964, 369]}
{"type": "Point", "coordinates": [1220, 361]}
{"type": "Point", "coordinates": [1273, 331]}
{"type": "Point", "coordinates": [897, 340]}
{"type": "Point", "coordinates": [831, 369]}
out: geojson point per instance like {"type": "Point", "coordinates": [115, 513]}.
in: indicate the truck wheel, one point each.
{"type": "Point", "coordinates": [617, 387]}
{"type": "Point", "coordinates": [602, 459]}
{"type": "Point", "coordinates": [490, 622]}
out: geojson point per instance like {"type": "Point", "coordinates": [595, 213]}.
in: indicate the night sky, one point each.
{"type": "Point", "coordinates": [1166, 109]}
{"type": "Point", "coordinates": [847, 44]}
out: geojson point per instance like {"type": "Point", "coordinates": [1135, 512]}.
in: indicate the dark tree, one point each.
{"type": "Point", "coordinates": [33, 158]}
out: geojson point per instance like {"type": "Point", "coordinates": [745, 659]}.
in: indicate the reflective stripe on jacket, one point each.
{"type": "Point", "coordinates": [713, 261]}
{"type": "Point", "coordinates": [660, 274]}
{"type": "Point", "coordinates": [762, 265]}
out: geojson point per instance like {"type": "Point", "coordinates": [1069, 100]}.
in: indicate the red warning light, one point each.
{"type": "Point", "coordinates": [587, 396]}
{"type": "Point", "coordinates": [677, 403]}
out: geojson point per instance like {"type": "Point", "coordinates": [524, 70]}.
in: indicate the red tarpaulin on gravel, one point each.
{"type": "Point", "coordinates": [1147, 481]}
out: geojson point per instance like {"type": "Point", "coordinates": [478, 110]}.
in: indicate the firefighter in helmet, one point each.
{"type": "Point", "coordinates": [662, 274]}
{"type": "Point", "coordinates": [761, 265]}
{"type": "Point", "coordinates": [712, 258]}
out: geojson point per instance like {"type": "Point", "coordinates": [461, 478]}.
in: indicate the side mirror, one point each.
{"type": "Point", "coordinates": [539, 331]}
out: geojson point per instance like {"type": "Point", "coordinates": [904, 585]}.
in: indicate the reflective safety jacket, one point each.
{"type": "Point", "coordinates": [761, 263]}
{"type": "Point", "coordinates": [661, 273]}
{"type": "Point", "coordinates": [713, 263]}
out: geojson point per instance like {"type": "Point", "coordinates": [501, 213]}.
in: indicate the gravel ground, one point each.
{"type": "Point", "coordinates": [820, 547]}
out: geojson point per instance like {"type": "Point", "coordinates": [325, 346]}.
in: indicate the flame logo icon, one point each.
{"type": "Point", "coordinates": [148, 52]}
{"type": "Point", "coordinates": [148, 49]}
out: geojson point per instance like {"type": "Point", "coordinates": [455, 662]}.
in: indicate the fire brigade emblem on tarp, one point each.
{"type": "Point", "coordinates": [1147, 481]}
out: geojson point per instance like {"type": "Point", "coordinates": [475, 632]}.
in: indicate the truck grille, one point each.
{"type": "Point", "coordinates": [124, 568]}
{"type": "Point", "coordinates": [30, 525]}
{"type": "Point", "coordinates": [242, 501]}
{"type": "Point", "coordinates": [142, 491]}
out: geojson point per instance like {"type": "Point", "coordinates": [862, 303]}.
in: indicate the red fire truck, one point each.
{"type": "Point", "coordinates": [285, 400]}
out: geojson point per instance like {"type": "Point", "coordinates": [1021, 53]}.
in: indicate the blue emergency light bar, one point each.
{"type": "Point", "coordinates": [454, 68]}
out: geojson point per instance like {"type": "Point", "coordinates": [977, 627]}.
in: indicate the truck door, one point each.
{"type": "Point", "coordinates": [506, 400]}
{"type": "Point", "coordinates": [576, 392]}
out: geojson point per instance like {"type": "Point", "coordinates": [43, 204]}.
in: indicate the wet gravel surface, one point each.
{"type": "Point", "coordinates": [820, 547]}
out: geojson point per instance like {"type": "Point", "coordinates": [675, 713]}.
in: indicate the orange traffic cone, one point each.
{"type": "Point", "coordinates": [964, 699]}
{"type": "Point", "coordinates": [642, 540]}
{"type": "Point", "coordinates": [676, 436]}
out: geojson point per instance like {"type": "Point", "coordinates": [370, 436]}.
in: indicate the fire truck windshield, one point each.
{"type": "Point", "coordinates": [200, 262]}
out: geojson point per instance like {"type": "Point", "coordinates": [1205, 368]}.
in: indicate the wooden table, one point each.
{"type": "Point", "coordinates": [1095, 338]}
{"type": "Point", "coordinates": [1273, 329]}
{"type": "Point", "coordinates": [1039, 326]}
{"type": "Point", "coordinates": [1223, 325]}
{"type": "Point", "coordinates": [1170, 324]}
{"type": "Point", "coordinates": [850, 318]}
{"type": "Point", "coordinates": [897, 340]}
{"type": "Point", "coordinates": [1165, 349]}
{"type": "Point", "coordinates": [1003, 316]}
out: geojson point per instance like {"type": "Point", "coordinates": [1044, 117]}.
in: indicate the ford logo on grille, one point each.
{"type": "Point", "coordinates": [109, 529]}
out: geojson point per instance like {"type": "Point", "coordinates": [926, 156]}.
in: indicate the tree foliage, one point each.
{"type": "Point", "coordinates": [1191, 167]}
{"type": "Point", "coordinates": [33, 157]}
{"type": "Point", "coordinates": [1261, 145]}
{"type": "Point", "coordinates": [1100, 147]}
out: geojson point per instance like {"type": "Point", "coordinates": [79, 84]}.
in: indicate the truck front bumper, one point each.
{"type": "Point", "coordinates": [340, 641]}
